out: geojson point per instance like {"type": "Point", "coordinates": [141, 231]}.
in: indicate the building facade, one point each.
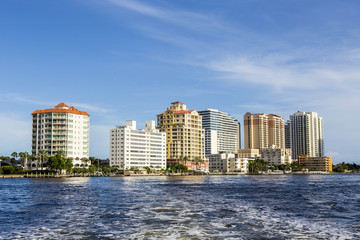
{"type": "Point", "coordinates": [276, 156]}
{"type": "Point", "coordinates": [306, 130]}
{"type": "Point", "coordinates": [137, 148]}
{"type": "Point", "coordinates": [185, 137]}
{"type": "Point", "coordinates": [249, 153]}
{"type": "Point", "coordinates": [263, 130]}
{"type": "Point", "coordinates": [323, 164]}
{"type": "Point", "coordinates": [222, 132]}
{"type": "Point", "coordinates": [227, 162]}
{"type": "Point", "coordinates": [287, 135]}
{"type": "Point", "coordinates": [61, 128]}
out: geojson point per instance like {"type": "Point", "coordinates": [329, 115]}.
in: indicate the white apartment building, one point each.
{"type": "Point", "coordinates": [227, 162]}
{"type": "Point", "coordinates": [306, 134]}
{"type": "Point", "coordinates": [61, 128]}
{"type": "Point", "coordinates": [222, 132]}
{"type": "Point", "coordinates": [138, 148]}
{"type": "Point", "coordinates": [276, 156]}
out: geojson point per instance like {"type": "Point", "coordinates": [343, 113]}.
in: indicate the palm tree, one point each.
{"type": "Point", "coordinates": [14, 155]}
{"type": "Point", "coordinates": [62, 153]}
{"type": "Point", "coordinates": [186, 159]}
{"type": "Point", "coordinates": [197, 160]}
{"type": "Point", "coordinates": [24, 157]}
{"type": "Point", "coordinates": [85, 161]}
{"type": "Point", "coordinates": [42, 156]}
{"type": "Point", "coordinates": [181, 159]}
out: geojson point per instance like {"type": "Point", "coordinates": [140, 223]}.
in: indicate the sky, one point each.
{"type": "Point", "coordinates": [129, 59]}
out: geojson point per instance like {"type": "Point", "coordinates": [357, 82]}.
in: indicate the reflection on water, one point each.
{"type": "Point", "coordinates": [197, 207]}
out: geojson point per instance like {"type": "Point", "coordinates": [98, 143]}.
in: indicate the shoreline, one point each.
{"type": "Point", "coordinates": [176, 175]}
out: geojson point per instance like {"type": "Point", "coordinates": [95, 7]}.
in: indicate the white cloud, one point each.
{"type": "Point", "coordinates": [92, 108]}
{"type": "Point", "coordinates": [287, 72]}
{"type": "Point", "coordinates": [20, 98]}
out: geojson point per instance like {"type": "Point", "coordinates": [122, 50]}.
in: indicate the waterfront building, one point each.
{"type": "Point", "coordinates": [263, 130]}
{"type": "Point", "coordinates": [323, 164]}
{"type": "Point", "coordinates": [287, 135]}
{"type": "Point", "coordinates": [137, 148]}
{"type": "Point", "coordinates": [61, 128]}
{"type": "Point", "coordinates": [222, 132]}
{"type": "Point", "coordinates": [185, 137]}
{"type": "Point", "coordinates": [249, 153]}
{"type": "Point", "coordinates": [227, 162]}
{"type": "Point", "coordinates": [276, 156]}
{"type": "Point", "coordinates": [306, 130]}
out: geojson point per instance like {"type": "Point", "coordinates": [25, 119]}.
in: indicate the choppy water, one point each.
{"type": "Point", "coordinates": [203, 207]}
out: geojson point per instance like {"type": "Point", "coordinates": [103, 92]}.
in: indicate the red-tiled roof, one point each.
{"type": "Point", "coordinates": [61, 110]}
{"type": "Point", "coordinates": [177, 102]}
{"type": "Point", "coordinates": [61, 105]}
{"type": "Point", "coordinates": [177, 112]}
{"type": "Point", "coordinates": [181, 111]}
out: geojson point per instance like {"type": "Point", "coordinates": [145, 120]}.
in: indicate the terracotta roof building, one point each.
{"type": "Point", "coordinates": [61, 128]}
{"type": "Point", "coordinates": [185, 137]}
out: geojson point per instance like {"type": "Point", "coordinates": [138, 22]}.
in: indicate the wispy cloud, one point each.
{"type": "Point", "coordinates": [92, 108]}
{"type": "Point", "coordinates": [20, 98]}
{"type": "Point", "coordinates": [298, 69]}
{"type": "Point", "coordinates": [288, 72]}
{"type": "Point", "coordinates": [190, 20]}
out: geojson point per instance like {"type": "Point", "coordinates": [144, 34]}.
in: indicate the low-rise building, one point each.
{"type": "Point", "coordinates": [276, 156]}
{"type": "Point", "coordinates": [137, 148]}
{"type": "Point", "coordinates": [323, 164]}
{"type": "Point", "coordinates": [249, 153]}
{"type": "Point", "coordinates": [227, 162]}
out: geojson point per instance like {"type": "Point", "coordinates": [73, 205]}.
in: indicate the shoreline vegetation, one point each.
{"type": "Point", "coordinates": [167, 175]}
{"type": "Point", "coordinates": [23, 165]}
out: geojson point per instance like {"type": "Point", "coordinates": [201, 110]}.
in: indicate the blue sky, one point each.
{"type": "Point", "coordinates": [122, 60]}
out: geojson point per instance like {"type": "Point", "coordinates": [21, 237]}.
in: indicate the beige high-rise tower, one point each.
{"type": "Point", "coordinates": [263, 130]}
{"type": "Point", "coordinates": [185, 136]}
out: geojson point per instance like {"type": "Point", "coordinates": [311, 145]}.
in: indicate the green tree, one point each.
{"type": "Point", "coordinates": [57, 162]}
{"type": "Point", "coordinates": [148, 170]}
{"type": "Point", "coordinates": [68, 164]}
{"type": "Point", "coordinates": [85, 161]}
{"type": "Point", "coordinates": [255, 166]}
{"type": "Point", "coordinates": [42, 156]}
{"type": "Point", "coordinates": [8, 170]}
{"type": "Point", "coordinates": [13, 159]}
{"type": "Point", "coordinates": [24, 156]}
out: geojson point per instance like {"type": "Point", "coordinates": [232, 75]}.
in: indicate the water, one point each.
{"type": "Point", "coordinates": [199, 207]}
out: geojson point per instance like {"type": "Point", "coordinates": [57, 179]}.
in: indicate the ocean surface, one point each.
{"type": "Point", "coordinates": [194, 207]}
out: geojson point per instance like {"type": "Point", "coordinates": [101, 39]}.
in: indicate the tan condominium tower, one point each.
{"type": "Point", "coordinates": [184, 132]}
{"type": "Point", "coordinates": [263, 130]}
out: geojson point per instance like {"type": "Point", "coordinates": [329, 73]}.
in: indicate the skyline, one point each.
{"type": "Point", "coordinates": [128, 60]}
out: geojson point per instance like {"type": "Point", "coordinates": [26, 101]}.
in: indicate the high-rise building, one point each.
{"type": "Point", "coordinates": [287, 135]}
{"type": "Point", "coordinates": [306, 130]}
{"type": "Point", "coordinates": [61, 128]}
{"type": "Point", "coordinates": [222, 132]}
{"type": "Point", "coordinates": [138, 148]}
{"type": "Point", "coordinates": [184, 134]}
{"type": "Point", "coordinates": [263, 130]}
